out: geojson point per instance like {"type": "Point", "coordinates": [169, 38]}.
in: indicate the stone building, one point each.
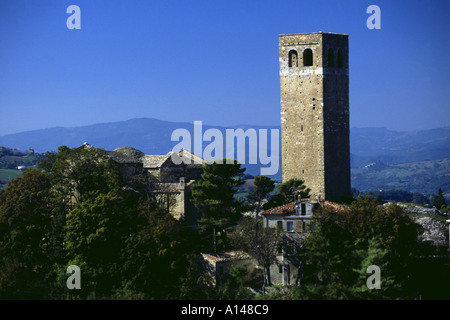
{"type": "Point", "coordinates": [170, 176]}
{"type": "Point", "coordinates": [294, 219]}
{"type": "Point", "coordinates": [217, 266]}
{"type": "Point", "coordinates": [314, 80]}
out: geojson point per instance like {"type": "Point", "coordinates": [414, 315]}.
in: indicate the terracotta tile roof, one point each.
{"type": "Point", "coordinates": [290, 207]}
{"type": "Point", "coordinates": [286, 208]}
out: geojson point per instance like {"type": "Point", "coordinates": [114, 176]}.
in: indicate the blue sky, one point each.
{"type": "Point", "coordinates": [213, 61]}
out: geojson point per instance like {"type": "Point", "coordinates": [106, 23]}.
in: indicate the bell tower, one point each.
{"type": "Point", "coordinates": [315, 132]}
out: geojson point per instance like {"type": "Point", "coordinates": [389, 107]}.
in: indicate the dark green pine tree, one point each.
{"type": "Point", "coordinates": [262, 187]}
{"type": "Point", "coordinates": [292, 188]}
{"type": "Point", "coordinates": [439, 200]}
{"type": "Point", "coordinates": [213, 196]}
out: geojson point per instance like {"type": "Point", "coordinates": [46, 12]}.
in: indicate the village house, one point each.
{"type": "Point", "coordinates": [217, 266]}
{"type": "Point", "coordinates": [294, 219]}
{"type": "Point", "coordinates": [170, 176]}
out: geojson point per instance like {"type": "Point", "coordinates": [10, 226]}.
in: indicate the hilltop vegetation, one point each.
{"type": "Point", "coordinates": [11, 159]}
{"type": "Point", "coordinates": [416, 161]}
{"type": "Point", "coordinates": [75, 209]}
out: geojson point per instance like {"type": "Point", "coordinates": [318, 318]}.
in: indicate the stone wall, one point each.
{"type": "Point", "coordinates": [315, 113]}
{"type": "Point", "coordinates": [435, 230]}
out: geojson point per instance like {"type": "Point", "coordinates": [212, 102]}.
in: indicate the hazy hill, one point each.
{"type": "Point", "coordinates": [379, 144]}
{"type": "Point", "coordinates": [368, 145]}
{"type": "Point", "coordinates": [152, 136]}
{"type": "Point", "coordinates": [418, 176]}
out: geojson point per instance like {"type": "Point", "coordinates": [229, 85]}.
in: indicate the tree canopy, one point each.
{"type": "Point", "coordinates": [214, 197]}
{"type": "Point", "coordinates": [343, 244]}
{"type": "Point", "coordinates": [76, 209]}
{"type": "Point", "coordinates": [262, 187]}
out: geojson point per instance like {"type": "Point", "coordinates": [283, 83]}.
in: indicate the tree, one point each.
{"type": "Point", "coordinates": [95, 232]}
{"type": "Point", "coordinates": [25, 233]}
{"type": "Point", "coordinates": [156, 255]}
{"type": "Point", "coordinates": [263, 186]}
{"type": "Point", "coordinates": [289, 191]}
{"type": "Point", "coordinates": [93, 214]}
{"type": "Point", "coordinates": [344, 243]}
{"type": "Point", "coordinates": [261, 243]}
{"type": "Point", "coordinates": [292, 188]}
{"type": "Point", "coordinates": [79, 173]}
{"type": "Point", "coordinates": [69, 211]}
{"type": "Point", "coordinates": [233, 286]}
{"type": "Point", "coordinates": [213, 196]}
{"type": "Point", "coordinates": [439, 200]}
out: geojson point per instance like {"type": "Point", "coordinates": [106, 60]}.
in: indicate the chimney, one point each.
{"type": "Point", "coordinates": [182, 184]}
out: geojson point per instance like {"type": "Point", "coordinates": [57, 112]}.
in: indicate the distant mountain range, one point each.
{"type": "Point", "coordinates": [152, 136]}
{"type": "Point", "coordinates": [381, 145]}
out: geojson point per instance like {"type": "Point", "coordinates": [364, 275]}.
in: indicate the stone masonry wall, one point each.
{"type": "Point", "coordinates": [315, 113]}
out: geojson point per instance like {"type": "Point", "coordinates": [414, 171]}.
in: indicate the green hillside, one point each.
{"type": "Point", "coordinates": [10, 159]}
{"type": "Point", "coordinates": [419, 176]}
{"type": "Point", "coordinates": [6, 175]}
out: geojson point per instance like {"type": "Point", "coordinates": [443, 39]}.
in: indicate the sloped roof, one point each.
{"type": "Point", "coordinates": [289, 208]}
{"type": "Point", "coordinates": [183, 156]}
{"type": "Point", "coordinates": [189, 157]}
{"type": "Point", "coordinates": [225, 256]}
{"type": "Point", "coordinates": [131, 155]}
{"type": "Point", "coordinates": [154, 161]}
{"type": "Point", "coordinates": [286, 208]}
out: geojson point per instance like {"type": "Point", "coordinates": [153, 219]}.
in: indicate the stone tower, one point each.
{"type": "Point", "coordinates": [315, 112]}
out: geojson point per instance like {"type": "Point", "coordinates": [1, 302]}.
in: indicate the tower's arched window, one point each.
{"type": "Point", "coordinates": [293, 59]}
{"type": "Point", "coordinates": [330, 57]}
{"type": "Point", "coordinates": [340, 59]}
{"type": "Point", "coordinates": [307, 58]}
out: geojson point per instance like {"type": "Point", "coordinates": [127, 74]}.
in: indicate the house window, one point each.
{"type": "Point", "coordinates": [304, 226]}
{"type": "Point", "coordinates": [280, 224]}
{"type": "Point", "coordinates": [330, 57]}
{"type": "Point", "coordinates": [280, 268]}
{"type": "Point", "coordinates": [303, 209]}
{"type": "Point", "coordinates": [307, 58]}
{"type": "Point", "coordinates": [290, 247]}
{"type": "Point", "coordinates": [293, 59]}
{"type": "Point", "coordinates": [299, 227]}
{"type": "Point", "coordinates": [290, 226]}
{"type": "Point", "coordinates": [340, 59]}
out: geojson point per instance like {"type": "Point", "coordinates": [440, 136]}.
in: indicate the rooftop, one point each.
{"type": "Point", "coordinates": [132, 155]}
{"type": "Point", "coordinates": [319, 32]}
{"type": "Point", "coordinates": [225, 256]}
{"type": "Point", "coordinates": [289, 208]}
